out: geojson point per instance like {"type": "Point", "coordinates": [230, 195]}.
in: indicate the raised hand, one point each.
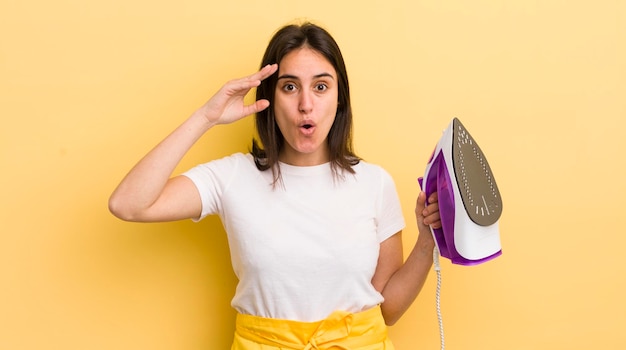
{"type": "Point", "coordinates": [228, 106]}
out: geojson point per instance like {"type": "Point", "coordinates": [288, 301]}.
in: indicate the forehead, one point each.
{"type": "Point", "coordinates": [305, 62]}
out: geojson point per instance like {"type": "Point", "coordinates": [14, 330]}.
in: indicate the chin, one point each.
{"type": "Point", "coordinates": [308, 150]}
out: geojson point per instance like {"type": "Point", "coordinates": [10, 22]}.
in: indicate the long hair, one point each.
{"type": "Point", "coordinates": [287, 39]}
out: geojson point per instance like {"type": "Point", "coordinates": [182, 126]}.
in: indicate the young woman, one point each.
{"type": "Point", "coordinates": [314, 231]}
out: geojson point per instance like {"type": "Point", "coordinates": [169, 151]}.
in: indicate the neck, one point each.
{"type": "Point", "coordinates": [294, 158]}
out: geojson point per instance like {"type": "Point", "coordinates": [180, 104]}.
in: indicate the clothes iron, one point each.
{"type": "Point", "coordinates": [469, 201]}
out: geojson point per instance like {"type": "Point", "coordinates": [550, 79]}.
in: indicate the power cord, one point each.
{"type": "Point", "coordinates": [438, 295]}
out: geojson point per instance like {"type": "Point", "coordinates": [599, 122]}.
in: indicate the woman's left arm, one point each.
{"type": "Point", "coordinates": [400, 282]}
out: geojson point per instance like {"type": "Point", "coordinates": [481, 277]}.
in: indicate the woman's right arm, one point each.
{"type": "Point", "coordinates": [148, 193]}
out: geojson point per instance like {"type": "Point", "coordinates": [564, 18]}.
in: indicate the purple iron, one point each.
{"type": "Point", "coordinates": [469, 201]}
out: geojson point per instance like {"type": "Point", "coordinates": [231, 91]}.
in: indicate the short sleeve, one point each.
{"type": "Point", "coordinates": [390, 219]}
{"type": "Point", "coordinates": [212, 180]}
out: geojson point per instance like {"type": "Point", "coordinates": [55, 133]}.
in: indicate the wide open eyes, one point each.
{"type": "Point", "coordinates": [321, 87]}
{"type": "Point", "coordinates": [317, 87]}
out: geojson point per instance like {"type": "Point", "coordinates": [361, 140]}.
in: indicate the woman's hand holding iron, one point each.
{"type": "Point", "coordinates": [427, 215]}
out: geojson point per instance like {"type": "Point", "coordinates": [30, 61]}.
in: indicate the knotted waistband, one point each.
{"type": "Point", "coordinates": [341, 330]}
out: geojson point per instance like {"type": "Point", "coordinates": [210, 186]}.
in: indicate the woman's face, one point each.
{"type": "Point", "coordinates": [305, 106]}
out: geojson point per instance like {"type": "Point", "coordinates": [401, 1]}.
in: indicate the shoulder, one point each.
{"type": "Point", "coordinates": [232, 161]}
{"type": "Point", "coordinates": [235, 158]}
{"type": "Point", "coordinates": [366, 169]}
{"type": "Point", "coordinates": [375, 177]}
{"type": "Point", "coordinates": [222, 169]}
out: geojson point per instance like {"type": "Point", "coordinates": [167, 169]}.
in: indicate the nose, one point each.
{"type": "Point", "coordinates": [305, 104]}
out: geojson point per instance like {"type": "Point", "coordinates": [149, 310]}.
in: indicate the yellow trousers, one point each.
{"type": "Point", "coordinates": [340, 331]}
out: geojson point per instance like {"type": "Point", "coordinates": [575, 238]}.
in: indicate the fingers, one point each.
{"type": "Point", "coordinates": [227, 105]}
{"type": "Point", "coordinates": [256, 107]}
{"type": "Point", "coordinates": [428, 212]}
{"type": "Point", "coordinates": [431, 215]}
{"type": "Point", "coordinates": [420, 204]}
{"type": "Point", "coordinates": [255, 79]}
{"type": "Point", "coordinates": [243, 85]}
{"type": "Point", "coordinates": [433, 199]}
{"type": "Point", "coordinates": [261, 75]}
{"type": "Point", "coordinates": [265, 72]}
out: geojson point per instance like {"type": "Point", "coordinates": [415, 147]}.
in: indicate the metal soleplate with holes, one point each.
{"type": "Point", "coordinates": [474, 178]}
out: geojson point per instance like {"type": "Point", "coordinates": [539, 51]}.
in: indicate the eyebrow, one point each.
{"type": "Point", "coordinates": [289, 76]}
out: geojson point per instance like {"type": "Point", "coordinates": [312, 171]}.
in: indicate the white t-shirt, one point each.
{"type": "Point", "coordinates": [305, 249]}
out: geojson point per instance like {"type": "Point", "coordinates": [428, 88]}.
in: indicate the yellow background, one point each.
{"type": "Point", "coordinates": [87, 87]}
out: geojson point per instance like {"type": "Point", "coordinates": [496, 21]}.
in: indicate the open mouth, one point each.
{"type": "Point", "coordinates": [307, 126]}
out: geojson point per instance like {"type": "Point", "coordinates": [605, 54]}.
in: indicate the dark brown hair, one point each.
{"type": "Point", "coordinates": [287, 39]}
